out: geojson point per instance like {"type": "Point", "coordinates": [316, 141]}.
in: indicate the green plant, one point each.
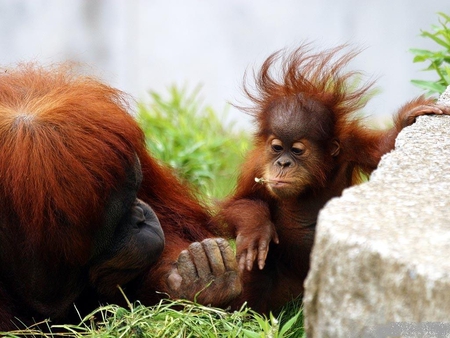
{"type": "Point", "coordinates": [439, 61]}
{"type": "Point", "coordinates": [190, 138]}
{"type": "Point", "coordinates": [171, 318]}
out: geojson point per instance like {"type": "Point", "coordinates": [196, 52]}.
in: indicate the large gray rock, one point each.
{"type": "Point", "coordinates": [382, 250]}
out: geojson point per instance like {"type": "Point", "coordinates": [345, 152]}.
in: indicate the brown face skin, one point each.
{"type": "Point", "coordinates": [284, 172]}
{"type": "Point", "coordinates": [288, 166]}
{"type": "Point", "coordinates": [296, 148]}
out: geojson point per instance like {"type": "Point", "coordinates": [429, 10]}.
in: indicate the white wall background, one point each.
{"type": "Point", "coordinates": [139, 45]}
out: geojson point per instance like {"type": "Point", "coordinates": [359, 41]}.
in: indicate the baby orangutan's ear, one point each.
{"type": "Point", "coordinates": [335, 147]}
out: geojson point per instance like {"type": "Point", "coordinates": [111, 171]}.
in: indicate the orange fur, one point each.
{"type": "Point", "coordinates": [66, 142]}
{"type": "Point", "coordinates": [308, 98]}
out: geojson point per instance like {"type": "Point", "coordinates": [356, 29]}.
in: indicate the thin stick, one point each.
{"type": "Point", "coordinates": [262, 180]}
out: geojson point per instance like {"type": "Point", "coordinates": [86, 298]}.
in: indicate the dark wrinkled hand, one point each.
{"type": "Point", "coordinates": [206, 272]}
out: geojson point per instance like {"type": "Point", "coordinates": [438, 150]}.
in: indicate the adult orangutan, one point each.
{"type": "Point", "coordinates": [83, 206]}
{"type": "Point", "coordinates": [308, 147]}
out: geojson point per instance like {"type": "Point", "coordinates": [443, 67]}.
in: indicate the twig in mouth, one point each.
{"type": "Point", "coordinates": [262, 180]}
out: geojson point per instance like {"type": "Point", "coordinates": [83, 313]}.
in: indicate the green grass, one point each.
{"type": "Point", "coordinates": [172, 319]}
{"type": "Point", "coordinates": [190, 138]}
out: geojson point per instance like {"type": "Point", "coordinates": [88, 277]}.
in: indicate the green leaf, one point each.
{"type": "Point", "coordinates": [446, 75]}
{"type": "Point", "coordinates": [436, 39]}
{"type": "Point", "coordinates": [433, 87]}
{"type": "Point", "coordinates": [420, 58]}
{"type": "Point", "coordinates": [445, 16]}
{"type": "Point", "coordinates": [251, 334]}
{"type": "Point", "coordinates": [286, 327]}
{"type": "Point", "coordinates": [421, 52]}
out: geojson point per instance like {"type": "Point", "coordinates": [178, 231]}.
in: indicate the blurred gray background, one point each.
{"type": "Point", "coordinates": [139, 45]}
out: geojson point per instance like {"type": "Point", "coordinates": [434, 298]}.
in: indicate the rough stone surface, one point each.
{"type": "Point", "coordinates": [382, 250]}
